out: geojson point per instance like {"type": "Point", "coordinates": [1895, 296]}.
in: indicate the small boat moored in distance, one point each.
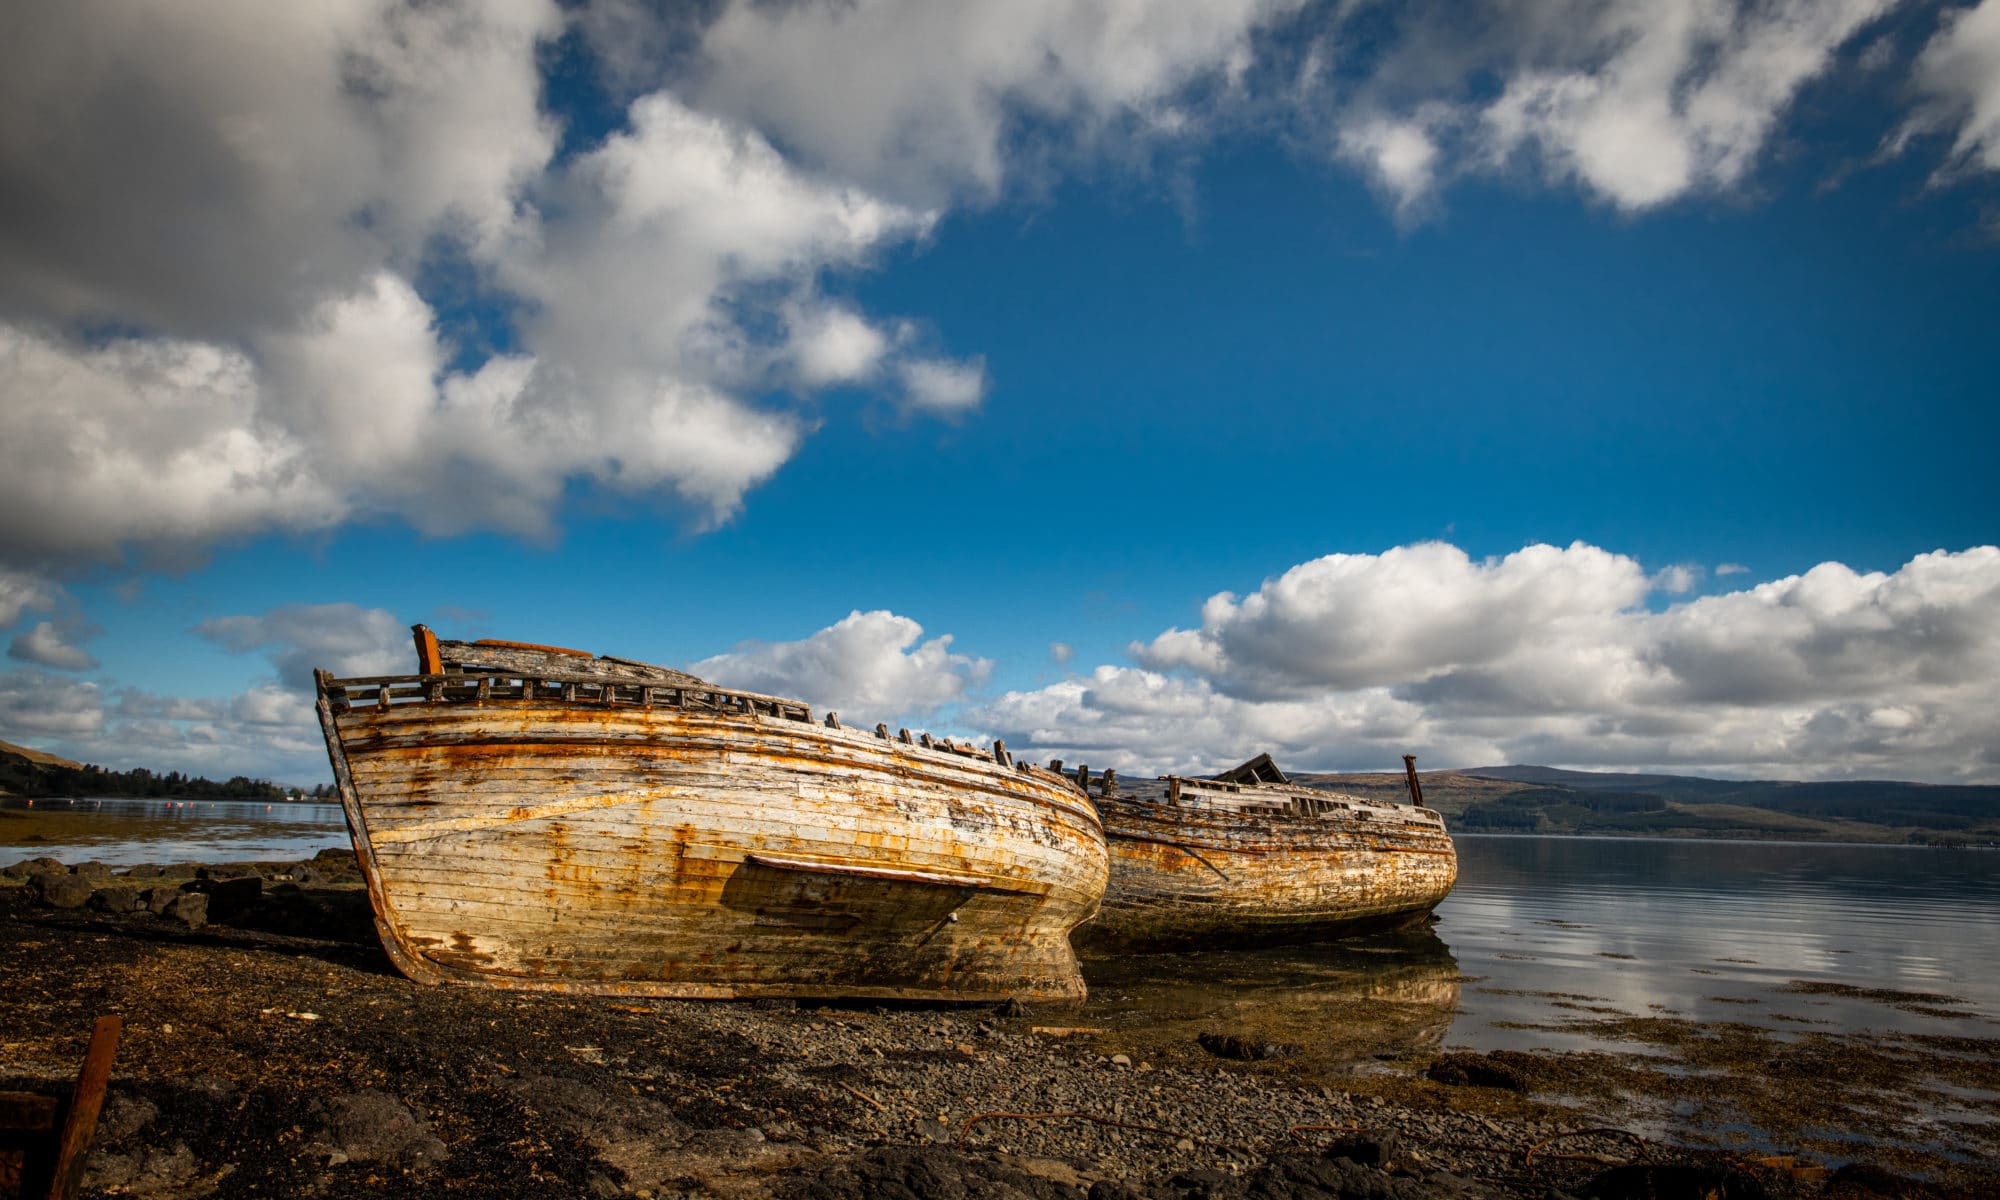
{"type": "Point", "coordinates": [1249, 856]}
{"type": "Point", "coordinates": [533, 817]}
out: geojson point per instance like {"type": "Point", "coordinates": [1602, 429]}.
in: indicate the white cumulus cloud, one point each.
{"type": "Point", "coordinates": [266, 730]}
{"type": "Point", "coordinates": [50, 645]}
{"type": "Point", "coordinates": [867, 666]}
{"type": "Point", "coordinates": [1549, 656]}
{"type": "Point", "coordinates": [20, 592]}
{"type": "Point", "coordinates": [1356, 620]}
{"type": "Point", "coordinates": [1636, 102]}
{"type": "Point", "coordinates": [1958, 76]}
{"type": "Point", "coordinates": [224, 319]}
{"type": "Point", "coordinates": [213, 322]}
{"type": "Point", "coordinates": [919, 99]}
{"type": "Point", "coordinates": [36, 706]}
{"type": "Point", "coordinates": [944, 387]}
{"type": "Point", "coordinates": [343, 638]}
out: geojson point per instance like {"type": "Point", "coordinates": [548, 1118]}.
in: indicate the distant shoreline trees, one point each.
{"type": "Point", "coordinates": [23, 777]}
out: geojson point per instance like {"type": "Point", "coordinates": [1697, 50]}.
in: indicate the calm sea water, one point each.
{"type": "Point", "coordinates": [1539, 932]}
{"type": "Point", "coordinates": [1544, 937]}
{"type": "Point", "coordinates": [124, 831]}
{"type": "Point", "coordinates": [1700, 928]}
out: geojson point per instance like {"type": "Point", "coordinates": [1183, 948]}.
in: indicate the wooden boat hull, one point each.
{"type": "Point", "coordinates": [630, 847]}
{"type": "Point", "coordinates": [1187, 877]}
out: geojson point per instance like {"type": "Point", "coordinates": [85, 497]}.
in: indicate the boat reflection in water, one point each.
{"type": "Point", "coordinates": [1334, 1005]}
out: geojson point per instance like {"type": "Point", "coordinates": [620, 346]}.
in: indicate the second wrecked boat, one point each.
{"type": "Point", "coordinates": [532, 817]}
{"type": "Point", "coordinates": [1250, 856]}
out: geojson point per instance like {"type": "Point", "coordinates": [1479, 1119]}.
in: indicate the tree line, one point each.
{"type": "Point", "coordinates": [22, 777]}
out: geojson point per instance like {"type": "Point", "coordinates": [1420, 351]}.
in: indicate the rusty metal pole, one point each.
{"type": "Point", "coordinates": [1416, 789]}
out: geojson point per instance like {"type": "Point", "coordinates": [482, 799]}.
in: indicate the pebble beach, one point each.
{"type": "Point", "coordinates": [270, 1049]}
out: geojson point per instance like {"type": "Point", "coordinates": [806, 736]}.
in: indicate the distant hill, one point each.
{"type": "Point", "coordinates": [39, 757]}
{"type": "Point", "coordinates": [1595, 780]}
{"type": "Point", "coordinates": [33, 773]}
{"type": "Point", "coordinates": [1533, 799]}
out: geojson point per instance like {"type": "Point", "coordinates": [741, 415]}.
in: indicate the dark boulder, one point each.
{"type": "Point", "coordinates": [118, 899]}
{"type": "Point", "coordinates": [924, 1173]}
{"type": "Point", "coordinates": [159, 896]}
{"type": "Point", "coordinates": [1383, 1151]}
{"type": "Point", "coordinates": [1477, 1070]}
{"type": "Point", "coordinates": [1330, 1177]}
{"type": "Point", "coordinates": [60, 891]}
{"type": "Point", "coordinates": [189, 908]}
{"type": "Point", "coordinates": [34, 866]}
{"type": "Point", "coordinates": [230, 898]}
{"type": "Point", "coordinates": [1228, 1045]}
{"type": "Point", "coordinates": [1658, 1181]}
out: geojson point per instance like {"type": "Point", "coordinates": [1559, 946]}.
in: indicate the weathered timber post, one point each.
{"type": "Point", "coordinates": [429, 660]}
{"type": "Point", "coordinates": [1055, 764]}
{"type": "Point", "coordinates": [86, 1100]}
{"type": "Point", "coordinates": [1000, 753]}
{"type": "Point", "coordinates": [903, 736]}
{"type": "Point", "coordinates": [881, 731]}
{"type": "Point", "coordinates": [832, 719]}
{"type": "Point", "coordinates": [1416, 789]}
{"type": "Point", "coordinates": [1110, 785]}
{"type": "Point", "coordinates": [1083, 777]}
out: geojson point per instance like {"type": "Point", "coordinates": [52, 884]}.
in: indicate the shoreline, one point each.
{"type": "Point", "coordinates": [271, 1049]}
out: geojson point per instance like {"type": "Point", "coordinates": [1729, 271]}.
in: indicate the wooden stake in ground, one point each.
{"type": "Point", "coordinates": [44, 1142]}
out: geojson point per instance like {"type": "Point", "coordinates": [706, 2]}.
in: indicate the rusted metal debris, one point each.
{"type": "Point", "coordinates": [1249, 855]}
{"type": "Point", "coordinates": [44, 1141]}
{"type": "Point", "coordinates": [532, 817]}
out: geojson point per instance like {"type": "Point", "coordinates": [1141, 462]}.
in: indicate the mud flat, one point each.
{"type": "Point", "coordinates": [271, 1050]}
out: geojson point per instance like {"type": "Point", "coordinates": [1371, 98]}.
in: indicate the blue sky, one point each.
{"type": "Point", "coordinates": [1146, 384]}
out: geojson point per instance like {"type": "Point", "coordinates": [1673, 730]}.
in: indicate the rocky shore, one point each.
{"type": "Point", "coordinates": [271, 1050]}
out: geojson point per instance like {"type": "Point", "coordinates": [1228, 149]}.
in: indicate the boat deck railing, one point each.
{"type": "Point", "coordinates": [383, 692]}
{"type": "Point", "coordinates": [1289, 801]}
{"type": "Point", "coordinates": [388, 691]}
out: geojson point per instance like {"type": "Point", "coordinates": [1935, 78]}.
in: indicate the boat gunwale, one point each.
{"type": "Point", "coordinates": [473, 677]}
{"type": "Point", "coordinates": [969, 757]}
{"type": "Point", "coordinates": [1225, 821]}
{"type": "Point", "coordinates": [1288, 790]}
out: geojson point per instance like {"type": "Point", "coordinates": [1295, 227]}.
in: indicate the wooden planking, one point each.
{"type": "Point", "coordinates": [629, 735]}
{"type": "Point", "coordinates": [845, 767]}
{"type": "Point", "coordinates": [1183, 874]}
{"type": "Point", "coordinates": [542, 848]}
{"type": "Point", "coordinates": [594, 856]}
{"type": "Point", "coordinates": [967, 829]}
{"type": "Point", "coordinates": [519, 658]}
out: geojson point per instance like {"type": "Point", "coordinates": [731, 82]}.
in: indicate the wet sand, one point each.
{"type": "Point", "coordinates": [274, 1051]}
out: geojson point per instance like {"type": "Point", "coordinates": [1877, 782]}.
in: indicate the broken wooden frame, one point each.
{"type": "Point", "coordinates": [43, 1140]}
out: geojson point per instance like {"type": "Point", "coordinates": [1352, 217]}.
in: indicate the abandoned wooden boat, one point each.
{"type": "Point", "coordinates": [1250, 856]}
{"type": "Point", "coordinates": [533, 817]}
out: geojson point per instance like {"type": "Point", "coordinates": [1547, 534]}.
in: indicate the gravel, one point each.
{"type": "Point", "coordinates": [275, 1052]}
